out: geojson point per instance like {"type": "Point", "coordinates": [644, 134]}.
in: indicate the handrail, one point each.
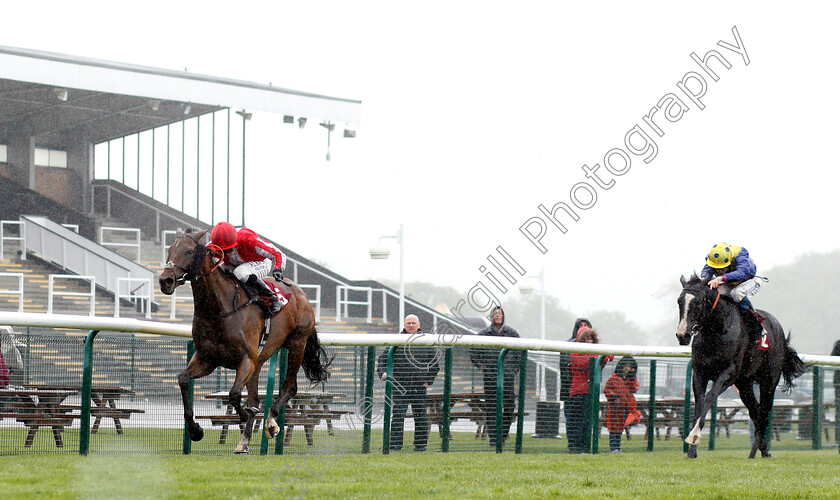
{"type": "Point", "coordinates": [156, 210]}
{"type": "Point", "coordinates": [316, 302]}
{"type": "Point", "coordinates": [176, 297]}
{"type": "Point", "coordinates": [346, 302]}
{"type": "Point", "coordinates": [18, 292]}
{"type": "Point", "coordinates": [131, 295]}
{"type": "Point", "coordinates": [20, 237]}
{"type": "Point", "coordinates": [428, 310]}
{"type": "Point", "coordinates": [132, 230]}
{"type": "Point", "coordinates": [91, 294]}
{"type": "Point", "coordinates": [164, 246]}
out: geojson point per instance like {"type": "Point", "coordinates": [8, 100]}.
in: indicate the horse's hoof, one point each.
{"type": "Point", "coordinates": [692, 451]}
{"type": "Point", "coordinates": [196, 433]}
{"type": "Point", "coordinates": [272, 429]}
{"type": "Point", "coordinates": [241, 448]}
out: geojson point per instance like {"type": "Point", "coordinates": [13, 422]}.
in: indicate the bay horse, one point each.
{"type": "Point", "coordinates": [226, 330]}
{"type": "Point", "coordinates": [722, 353]}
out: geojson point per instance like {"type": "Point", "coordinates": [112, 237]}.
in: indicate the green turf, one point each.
{"type": "Point", "coordinates": [718, 474]}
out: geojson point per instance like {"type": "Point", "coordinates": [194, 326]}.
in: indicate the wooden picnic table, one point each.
{"type": "Point", "coordinates": [36, 408]}
{"type": "Point", "coordinates": [670, 412]}
{"type": "Point", "coordinates": [471, 408]}
{"type": "Point", "coordinates": [306, 409]}
{"type": "Point", "coordinates": [104, 403]}
{"type": "Point", "coordinates": [462, 405]}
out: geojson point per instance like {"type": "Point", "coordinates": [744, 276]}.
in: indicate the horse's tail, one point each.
{"type": "Point", "coordinates": [792, 367]}
{"type": "Point", "coordinates": [315, 360]}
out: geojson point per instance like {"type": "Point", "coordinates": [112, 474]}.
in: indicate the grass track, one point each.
{"type": "Point", "coordinates": [719, 474]}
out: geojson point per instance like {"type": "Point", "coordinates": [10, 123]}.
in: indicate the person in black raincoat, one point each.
{"type": "Point", "coordinates": [415, 369]}
{"type": "Point", "coordinates": [486, 359]}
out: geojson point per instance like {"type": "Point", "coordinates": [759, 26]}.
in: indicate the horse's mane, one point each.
{"type": "Point", "coordinates": [694, 282]}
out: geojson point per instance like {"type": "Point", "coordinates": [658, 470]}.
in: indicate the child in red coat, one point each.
{"type": "Point", "coordinates": [621, 403]}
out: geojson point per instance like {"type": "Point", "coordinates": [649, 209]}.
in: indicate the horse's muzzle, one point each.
{"type": "Point", "coordinates": [167, 285]}
{"type": "Point", "coordinates": [683, 339]}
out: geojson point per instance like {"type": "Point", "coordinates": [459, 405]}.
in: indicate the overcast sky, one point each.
{"type": "Point", "coordinates": [476, 113]}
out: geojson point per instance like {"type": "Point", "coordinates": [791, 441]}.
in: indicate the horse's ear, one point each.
{"type": "Point", "coordinates": [200, 236]}
{"type": "Point", "coordinates": [682, 280]}
{"type": "Point", "coordinates": [179, 232]}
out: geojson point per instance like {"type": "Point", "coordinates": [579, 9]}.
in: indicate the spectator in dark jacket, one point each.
{"type": "Point", "coordinates": [565, 371]}
{"type": "Point", "coordinates": [486, 359]}
{"type": "Point", "coordinates": [415, 369]}
{"type": "Point", "coordinates": [836, 352]}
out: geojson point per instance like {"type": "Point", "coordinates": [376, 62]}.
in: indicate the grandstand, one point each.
{"type": "Point", "coordinates": [61, 119]}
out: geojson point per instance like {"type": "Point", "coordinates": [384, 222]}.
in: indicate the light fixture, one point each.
{"type": "Point", "coordinates": [155, 103]}
{"type": "Point", "coordinates": [244, 114]}
{"type": "Point", "coordinates": [330, 127]}
{"type": "Point", "coordinates": [288, 119]}
{"type": "Point", "coordinates": [527, 288]}
{"type": "Point", "coordinates": [301, 122]}
{"type": "Point", "coordinates": [349, 133]}
{"type": "Point", "coordinates": [61, 94]}
{"type": "Point", "coordinates": [380, 251]}
{"type": "Point", "coordinates": [187, 109]}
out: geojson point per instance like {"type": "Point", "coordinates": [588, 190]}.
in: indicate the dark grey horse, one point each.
{"type": "Point", "coordinates": [722, 353]}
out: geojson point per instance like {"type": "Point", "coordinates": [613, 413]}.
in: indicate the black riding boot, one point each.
{"type": "Point", "coordinates": [270, 300]}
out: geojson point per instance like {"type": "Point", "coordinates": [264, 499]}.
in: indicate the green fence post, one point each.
{"type": "Point", "coordinates": [269, 399]}
{"type": "Point", "coordinates": [713, 426]}
{"type": "Point", "coordinates": [367, 402]}
{"type": "Point", "coordinates": [87, 382]}
{"type": "Point", "coordinates": [651, 428]}
{"type": "Point", "coordinates": [187, 448]}
{"type": "Point", "coordinates": [520, 409]}
{"type": "Point", "coordinates": [282, 368]}
{"type": "Point", "coordinates": [816, 419]}
{"type": "Point", "coordinates": [594, 426]}
{"type": "Point", "coordinates": [687, 406]}
{"type": "Point", "coordinates": [447, 399]}
{"type": "Point", "coordinates": [500, 394]}
{"type": "Point", "coordinates": [28, 354]}
{"type": "Point", "coordinates": [389, 393]}
{"type": "Point", "coordinates": [133, 350]}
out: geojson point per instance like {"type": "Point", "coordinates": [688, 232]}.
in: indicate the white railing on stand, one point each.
{"type": "Point", "coordinates": [175, 297]}
{"type": "Point", "coordinates": [124, 230]}
{"type": "Point", "coordinates": [316, 302]}
{"type": "Point", "coordinates": [91, 294]}
{"type": "Point", "coordinates": [342, 299]}
{"type": "Point", "coordinates": [132, 295]}
{"type": "Point", "coordinates": [164, 245]}
{"type": "Point", "coordinates": [21, 237]}
{"type": "Point", "coordinates": [18, 292]}
{"type": "Point", "coordinates": [72, 227]}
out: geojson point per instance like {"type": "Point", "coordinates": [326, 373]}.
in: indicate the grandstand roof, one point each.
{"type": "Point", "coordinates": [62, 99]}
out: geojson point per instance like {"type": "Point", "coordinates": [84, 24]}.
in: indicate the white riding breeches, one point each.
{"type": "Point", "coordinates": [746, 288]}
{"type": "Point", "coordinates": [260, 268]}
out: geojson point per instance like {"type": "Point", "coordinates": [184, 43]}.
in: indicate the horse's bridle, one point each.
{"type": "Point", "coordinates": [194, 271]}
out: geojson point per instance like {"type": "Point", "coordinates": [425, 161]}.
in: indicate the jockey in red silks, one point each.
{"type": "Point", "coordinates": [252, 258]}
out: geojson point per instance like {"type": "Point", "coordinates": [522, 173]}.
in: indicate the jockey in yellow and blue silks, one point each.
{"type": "Point", "coordinates": [733, 270]}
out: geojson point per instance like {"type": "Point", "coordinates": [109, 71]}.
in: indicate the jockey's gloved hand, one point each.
{"type": "Point", "coordinates": [277, 274]}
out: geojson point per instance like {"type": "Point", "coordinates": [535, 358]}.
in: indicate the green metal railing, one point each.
{"type": "Point", "coordinates": [278, 366]}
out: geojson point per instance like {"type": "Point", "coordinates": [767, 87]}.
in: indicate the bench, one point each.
{"type": "Point", "coordinates": [307, 419]}
{"type": "Point", "coordinates": [100, 412]}
{"type": "Point", "coordinates": [477, 416]}
{"type": "Point", "coordinates": [34, 421]}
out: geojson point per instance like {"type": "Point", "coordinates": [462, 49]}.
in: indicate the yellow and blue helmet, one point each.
{"type": "Point", "coordinates": [720, 256]}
